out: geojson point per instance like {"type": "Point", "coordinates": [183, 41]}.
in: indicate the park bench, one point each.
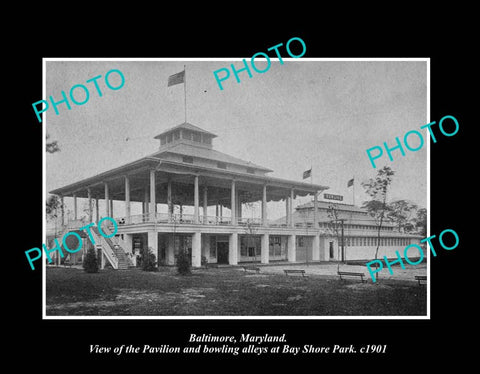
{"type": "Point", "coordinates": [212, 265]}
{"type": "Point", "coordinates": [421, 278]}
{"type": "Point", "coordinates": [67, 263]}
{"type": "Point", "coordinates": [295, 272]}
{"type": "Point", "coordinates": [350, 274]}
{"type": "Point", "coordinates": [251, 268]}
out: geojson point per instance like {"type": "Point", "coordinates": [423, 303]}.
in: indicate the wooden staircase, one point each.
{"type": "Point", "coordinates": [120, 261]}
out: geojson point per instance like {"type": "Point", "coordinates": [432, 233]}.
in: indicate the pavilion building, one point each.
{"type": "Point", "coordinates": [187, 172]}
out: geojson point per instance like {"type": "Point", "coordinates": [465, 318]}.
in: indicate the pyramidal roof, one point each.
{"type": "Point", "coordinates": [186, 126]}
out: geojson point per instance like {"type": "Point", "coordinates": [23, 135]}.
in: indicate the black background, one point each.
{"type": "Point", "coordinates": [63, 345]}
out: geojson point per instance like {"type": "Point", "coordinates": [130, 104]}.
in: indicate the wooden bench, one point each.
{"type": "Point", "coordinates": [67, 263]}
{"type": "Point", "coordinates": [421, 278]}
{"type": "Point", "coordinates": [295, 272]}
{"type": "Point", "coordinates": [350, 274]}
{"type": "Point", "coordinates": [251, 268]}
{"type": "Point", "coordinates": [211, 265]}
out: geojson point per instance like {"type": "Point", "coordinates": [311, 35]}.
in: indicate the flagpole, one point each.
{"type": "Point", "coordinates": [354, 190]}
{"type": "Point", "coordinates": [185, 89]}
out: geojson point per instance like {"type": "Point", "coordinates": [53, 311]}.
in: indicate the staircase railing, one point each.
{"type": "Point", "coordinates": [107, 247]}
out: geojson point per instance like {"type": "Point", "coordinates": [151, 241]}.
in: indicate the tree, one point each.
{"type": "Point", "coordinates": [90, 263]}
{"type": "Point", "coordinates": [52, 147]}
{"type": "Point", "coordinates": [420, 221]}
{"type": "Point", "coordinates": [335, 224]}
{"type": "Point", "coordinates": [377, 207]}
{"type": "Point", "coordinates": [401, 213]}
{"type": "Point", "coordinates": [147, 260]}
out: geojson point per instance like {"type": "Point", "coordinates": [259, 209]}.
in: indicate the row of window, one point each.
{"type": "Point", "coordinates": [185, 134]}
{"type": "Point", "coordinates": [354, 227]}
{"type": "Point", "coordinates": [220, 165]}
{"type": "Point", "coordinates": [371, 241]}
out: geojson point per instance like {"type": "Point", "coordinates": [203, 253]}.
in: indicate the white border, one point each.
{"type": "Point", "coordinates": [44, 316]}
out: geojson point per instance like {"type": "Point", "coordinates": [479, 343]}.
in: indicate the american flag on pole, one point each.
{"type": "Point", "coordinates": [307, 173]}
{"type": "Point", "coordinates": [176, 78]}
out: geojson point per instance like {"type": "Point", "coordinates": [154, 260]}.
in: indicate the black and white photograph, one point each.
{"type": "Point", "coordinates": [195, 196]}
{"type": "Point", "coordinates": [172, 194]}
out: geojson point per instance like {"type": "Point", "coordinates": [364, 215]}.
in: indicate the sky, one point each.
{"type": "Point", "coordinates": [304, 113]}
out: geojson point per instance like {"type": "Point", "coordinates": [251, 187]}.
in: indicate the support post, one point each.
{"type": "Point", "coordinates": [107, 201]}
{"type": "Point", "coordinates": [169, 200]}
{"type": "Point", "coordinates": [292, 248]}
{"type": "Point", "coordinates": [316, 248]}
{"type": "Point", "coordinates": [233, 249]}
{"type": "Point", "coordinates": [205, 204]}
{"type": "Point", "coordinates": [75, 207]}
{"type": "Point", "coordinates": [153, 204]}
{"type": "Point", "coordinates": [90, 210]}
{"type": "Point", "coordinates": [265, 244]}
{"type": "Point", "coordinates": [196, 200]}
{"type": "Point", "coordinates": [264, 205]}
{"type": "Point", "coordinates": [197, 249]}
{"type": "Point", "coordinates": [233, 204]}
{"type": "Point", "coordinates": [127, 200]}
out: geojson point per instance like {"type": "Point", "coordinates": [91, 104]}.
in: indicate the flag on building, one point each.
{"type": "Point", "coordinates": [176, 78]}
{"type": "Point", "coordinates": [350, 183]}
{"type": "Point", "coordinates": [307, 173]}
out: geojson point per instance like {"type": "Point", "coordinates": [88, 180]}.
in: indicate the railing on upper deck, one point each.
{"type": "Point", "coordinates": [180, 219]}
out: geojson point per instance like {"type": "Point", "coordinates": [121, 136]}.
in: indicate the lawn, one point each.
{"type": "Point", "coordinates": [224, 292]}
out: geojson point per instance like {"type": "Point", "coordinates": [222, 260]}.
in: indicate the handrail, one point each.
{"type": "Point", "coordinates": [106, 246]}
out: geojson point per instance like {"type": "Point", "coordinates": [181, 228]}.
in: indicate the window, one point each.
{"type": "Point", "coordinates": [197, 137]}
{"type": "Point", "coordinates": [163, 140]}
{"type": "Point", "coordinates": [186, 135]}
{"type": "Point", "coordinates": [300, 241]}
{"type": "Point", "coordinates": [250, 171]}
{"type": "Point", "coordinates": [176, 135]}
{"type": "Point", "coordinates": [206, 139]}
{"type": "Point", "coordinates": [169, 138]}
{"type": "Point", "coordinates": [188, 159]}
{"type": "Point", "coordinates": [221, 165]}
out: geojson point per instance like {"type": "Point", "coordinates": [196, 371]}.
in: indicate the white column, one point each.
{"type": "Point", "coordinates": [205, 203]}
{"type": "Point", "coordinates": [315, 210]}
{"type": "Point", "coordinates": [316, 248]}
{"type": "Point", "coordinates": [287, 212]}
{"type": "Point", "coordinates": [290, 208]}
{"type": "Point", "coordinates": [62, 210]}
{"type": "Point", "coordinates": [90, 210]}
{"type": "Point", "coordinates": [264, 205]}
{"type": "Point", "coordinates": [233, 204]}
{"type": "Point", "coordinates": [152, 207]}
{"type": "Point", "coordinates": [169, 200]}
{"type": "Point", "coordinates": [107, 201]}
{"type": "Point", "coordinates": [233, 249]}
{"type": "Point", "coordinates": [197, 249]}
{"type": "Point", "coordinates": [196, 200]}
{"type": "Point", "coordinates": [75, 207]}
{"type": "Point", "coordinates": [127, 200]}
{"type": "Point", "coordinates": [291, 248]}
{"type": "Point", "coordinates": [97, 210]}
{"type": "Point", "coordinates": [265, 248]}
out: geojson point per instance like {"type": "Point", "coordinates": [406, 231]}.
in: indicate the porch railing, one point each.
{"type": "Point", "coordinates": [165, 218]}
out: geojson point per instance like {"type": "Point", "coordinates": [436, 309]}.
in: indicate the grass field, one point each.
{"type": "Point", "coordinates": [224, 292]}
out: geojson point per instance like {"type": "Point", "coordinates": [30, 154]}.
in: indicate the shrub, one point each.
{"type": "Point", "coordinates": [147, 260]}
{"type": "Point", "coordinates": [204, 261]}
{"type": "Point", "coordinates": [183, 263]}
{"type": "Point", "coordinates": [90, 263]}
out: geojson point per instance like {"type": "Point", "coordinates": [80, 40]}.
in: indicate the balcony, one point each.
{"type": "Point", "coordinates": [189, 219]}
